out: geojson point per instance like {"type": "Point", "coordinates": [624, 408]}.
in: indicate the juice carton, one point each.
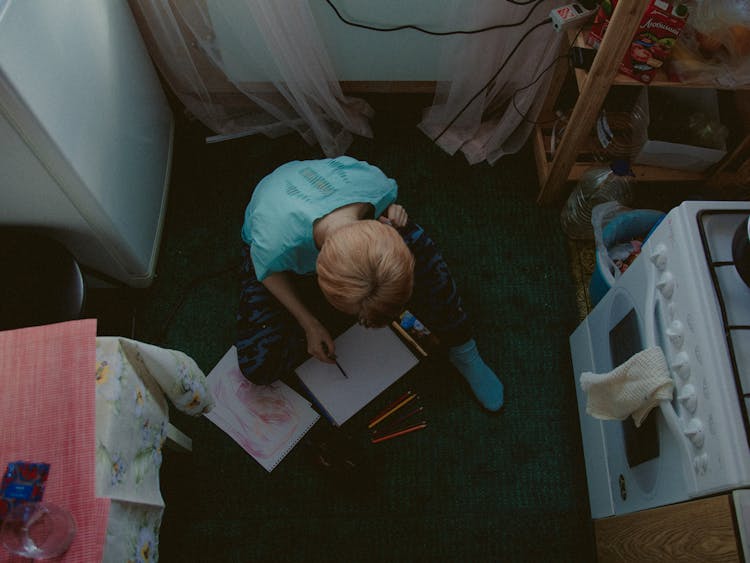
{"type": "Point", "coordinates": [657, 33]}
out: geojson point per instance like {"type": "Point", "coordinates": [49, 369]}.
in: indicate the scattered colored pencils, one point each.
{"type": "Point", "coordinates": [389, 407]}
{"type": "Point", "coordinates": [401, 432]}
{"type": "Point", "coordinates": [394, 425]}
{"type": "Point", "coordinates": [403, 401]}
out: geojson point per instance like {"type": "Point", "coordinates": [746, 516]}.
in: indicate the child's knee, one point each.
{"type": "Point", "coordinates": [258, 376]}
{"type": "Point", "coordinates": [254, 363]}
{"type": "Point", "coordinates": [265, 358]}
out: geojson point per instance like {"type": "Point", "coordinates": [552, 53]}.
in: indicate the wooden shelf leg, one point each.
{"type": "Point", "coordinates": [620, 33]}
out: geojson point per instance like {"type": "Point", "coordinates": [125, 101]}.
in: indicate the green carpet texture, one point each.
{"type": "Point", "coordinates": [471, 487]}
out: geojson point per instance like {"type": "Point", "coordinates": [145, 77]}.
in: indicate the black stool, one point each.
{"type": "Point", "coordinates": [40, 281]}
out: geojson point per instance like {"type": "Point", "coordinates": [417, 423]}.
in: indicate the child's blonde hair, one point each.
{"type": "Point", "coordinates": [366, 269]}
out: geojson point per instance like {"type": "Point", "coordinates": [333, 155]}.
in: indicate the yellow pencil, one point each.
{"type": "Point", "coordinates": [390, 412]}
{"type": "Point", "coordinates": [408, 337]}
{"type": "Point", "coordinates": [391, 405]}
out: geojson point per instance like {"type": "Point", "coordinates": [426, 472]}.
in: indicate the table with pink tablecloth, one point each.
{"type": "Point", "coordinates": [96, 410]}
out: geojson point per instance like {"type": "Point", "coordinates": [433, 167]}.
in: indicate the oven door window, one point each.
{"type": "Point", "coordinates": [641, 444]}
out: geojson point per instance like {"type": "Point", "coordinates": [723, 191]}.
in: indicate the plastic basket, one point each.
{"type": "Point", "coordinates": [622, 228]}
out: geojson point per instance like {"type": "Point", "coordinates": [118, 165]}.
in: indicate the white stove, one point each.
{"type": "Point", "coordinates": [683, 294]}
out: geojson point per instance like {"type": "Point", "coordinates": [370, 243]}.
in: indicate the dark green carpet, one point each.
{"type": "Point", "coordinates": [471, 487]}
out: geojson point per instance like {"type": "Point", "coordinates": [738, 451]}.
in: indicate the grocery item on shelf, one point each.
{"type": "Point", "coordinates": [714, 47]}
{"type": "Point", "coordinates": [656, 35]}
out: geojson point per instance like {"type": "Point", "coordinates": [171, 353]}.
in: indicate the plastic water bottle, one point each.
{"type": "Point", "coordinates": [597, 185]}
{"type": "Point", "coordinates": [622, 125]}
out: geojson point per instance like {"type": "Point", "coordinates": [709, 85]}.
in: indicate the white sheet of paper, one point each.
{"type": "Point", "coordinates": [372, 358]}
{"type": "Point", "coordinates": [266, 420]}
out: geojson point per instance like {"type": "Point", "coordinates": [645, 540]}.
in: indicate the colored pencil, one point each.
{"type": "Point", "coordinates": [408, 338]}
{"type": "Point", "coordinates": [333, 357]}
{"type": "Point", "coordinates": [407, 430]}
{"type": "Point", "coordinates": [390, 406]}
{"type": "Point", "coordinates": [391, 411]}
{"type": "Point", "coordinates": [340, 368]}
{"type": "Point", "coordinates": [391, 427]}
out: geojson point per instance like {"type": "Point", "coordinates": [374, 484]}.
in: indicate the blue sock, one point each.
{"type": "Point", "coordinates": [486, 385]}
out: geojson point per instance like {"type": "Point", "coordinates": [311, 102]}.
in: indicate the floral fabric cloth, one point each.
{"type": "Point", "coordinates": [132, 533]}
{"type": "Point", "coordinates": [133, 382]}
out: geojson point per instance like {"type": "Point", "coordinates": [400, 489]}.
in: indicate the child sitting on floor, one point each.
{"type": "Point", "coordinates": [337, 218]}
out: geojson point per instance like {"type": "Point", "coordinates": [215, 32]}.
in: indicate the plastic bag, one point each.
{"type": "Point", "coordinates": [714, 46]}
{"type": "Point", "coordinates": [601, 215]}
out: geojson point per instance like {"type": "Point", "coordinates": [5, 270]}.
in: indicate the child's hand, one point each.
{"type": "Point", "coordinates": [320, 344]}
{"type": "Point", "coordinates": [395, 215]}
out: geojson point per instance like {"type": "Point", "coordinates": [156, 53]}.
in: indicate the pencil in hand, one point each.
{"type": "Point", "coordinates": [340, 368]}
{"type": "Point", "coordinates": [333, 357]}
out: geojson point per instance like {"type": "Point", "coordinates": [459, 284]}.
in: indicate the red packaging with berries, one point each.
{"type": "Point", "coordinates": [23, 481]}
{"type": "Point", "coordinates": [657, 33]}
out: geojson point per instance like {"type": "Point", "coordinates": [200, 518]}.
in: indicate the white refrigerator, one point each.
{"type": "Point", "coordinates": [85, 133]}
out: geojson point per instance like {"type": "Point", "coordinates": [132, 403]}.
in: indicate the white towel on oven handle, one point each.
{"type": "Point", "coordinates": [632, 388]}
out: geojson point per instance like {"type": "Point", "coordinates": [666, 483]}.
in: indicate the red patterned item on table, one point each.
{"type": "Point", "coordinates": [23, 481]}
{"type": "Point", "coordinates": [657, 33]}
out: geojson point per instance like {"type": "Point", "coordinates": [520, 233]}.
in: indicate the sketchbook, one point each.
{"type": "Point", "coordinates": [266, 420]}
{"type": "Point", "coordinates": [373, 359]}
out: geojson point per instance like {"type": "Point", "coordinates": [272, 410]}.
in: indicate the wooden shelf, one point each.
{"type": "Point", "coordinates": [557, 170]}
{"type": "Point", "coordinates": [544, 157]}
{"type": "Point", "coordinates": [620, 79]}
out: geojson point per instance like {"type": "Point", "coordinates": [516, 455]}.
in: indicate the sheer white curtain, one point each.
{"type": "Point", "coordinates": [260, 66]}
{"type": "Point", "coordinates": [252, 66]}
{"type": "Point", "coordinates": [500, 119]}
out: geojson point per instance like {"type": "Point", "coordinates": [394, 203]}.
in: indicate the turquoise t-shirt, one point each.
{"type": "Point", "coordinates": [279, 218]}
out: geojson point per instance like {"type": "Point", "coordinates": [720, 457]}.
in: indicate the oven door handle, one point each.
{"type": "Point", "coordinates": [667, 410]}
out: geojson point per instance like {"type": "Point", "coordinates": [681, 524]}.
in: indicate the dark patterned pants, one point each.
{"type": "Point", "coordinates": [270, 342]}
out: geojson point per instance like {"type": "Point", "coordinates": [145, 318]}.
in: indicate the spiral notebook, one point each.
{"type": "Point", "coordinates": [266, 420]}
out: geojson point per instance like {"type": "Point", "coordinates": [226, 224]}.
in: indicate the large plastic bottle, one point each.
{"type": "Point", "coordinates": [622, 126]}
{"type": "Point", "coordinates": [597, 185]}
